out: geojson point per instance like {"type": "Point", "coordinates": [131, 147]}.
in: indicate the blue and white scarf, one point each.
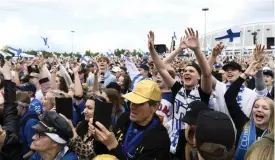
{"type": "Point", "coordinates": [239, 97]}
{"type": "Point", "coordinates": [247, 138]}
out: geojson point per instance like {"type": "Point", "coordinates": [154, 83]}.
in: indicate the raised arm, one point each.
{"type": "Point", "coordinates": [231, 94]}
{"type": "Point", "coordinates": [261, 88]}
{"type": "Point", "coordinates": [158, 62]}
{"type": "Point", "coordinates": [169, 58]}
{"type": "Point", "coordinates": [78, 90]}
{"type": "Point", "coordinates": [215, 52]}
{"type": "Point", "coordinates": [192, 42]}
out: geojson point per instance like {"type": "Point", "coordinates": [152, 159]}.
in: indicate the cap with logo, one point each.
{"type": "Point", "coordinates": [144, 91]}
{"type": "Point", "coordinates": [55, 127]}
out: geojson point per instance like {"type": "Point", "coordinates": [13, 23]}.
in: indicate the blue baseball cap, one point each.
{"type": "Point", "coordinates": [144, 66]}
{"type": "Point", "coordinates": [27, 87]}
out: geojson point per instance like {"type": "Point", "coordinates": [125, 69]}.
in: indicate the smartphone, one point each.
{"type": "Point", "coordinates": [103, 113]}
{"type": "Point", "coordinates": [102, 75]}
{"type": "Point", "coordinates": [65, 107]}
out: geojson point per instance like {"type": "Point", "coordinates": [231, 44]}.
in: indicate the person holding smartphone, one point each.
{"type": "Point", "coordinates": [106, 76]}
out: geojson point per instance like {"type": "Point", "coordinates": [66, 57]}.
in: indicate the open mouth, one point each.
{"type": "Point", "coordinates": [259, 117]}
{"type": "Point", "coordinates": [187, 79]}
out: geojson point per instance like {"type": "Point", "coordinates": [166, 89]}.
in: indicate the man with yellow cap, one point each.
{"type": "Point", "coordinates": [140, 133]}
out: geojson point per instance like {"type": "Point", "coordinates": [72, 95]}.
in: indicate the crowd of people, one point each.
{"type": "Point", "coordinates": [148, 108]}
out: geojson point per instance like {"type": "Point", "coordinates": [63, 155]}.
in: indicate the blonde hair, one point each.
{"type": "Point", "coordinates": [262, 149]}
{"type": "Point", "coordinates": [271, 108]}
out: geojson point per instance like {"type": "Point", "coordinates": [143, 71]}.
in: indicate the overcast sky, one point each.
{"type": "Point", "coordinates": [100, 25]}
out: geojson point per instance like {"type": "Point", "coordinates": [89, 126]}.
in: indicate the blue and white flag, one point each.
{"type": "Point", "coordinates": [17, 52]}
{"type": "Point", "coordinates": [84, 59]}
{"type": "Point", "coordinates": [230, 36]}
{"type": "Point", "coordinates": [45, 39]}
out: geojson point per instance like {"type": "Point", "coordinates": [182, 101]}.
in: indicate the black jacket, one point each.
{"type": "Point", "coordinates": [155, 144]}
{"type": "Point", "coordinates": [11, 149]}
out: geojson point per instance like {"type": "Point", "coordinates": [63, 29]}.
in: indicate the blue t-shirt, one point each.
{"type": "Point", "coordinates": [68, 156]}
{"type": "Point", "coordinates": [29, 132]}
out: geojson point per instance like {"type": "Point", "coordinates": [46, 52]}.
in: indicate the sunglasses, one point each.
{"type": "Point", "coordinates": [40, 134]}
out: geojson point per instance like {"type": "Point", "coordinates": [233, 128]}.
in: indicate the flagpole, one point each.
{"type": "Point", "coordinates": [72, 41]}
{"type": "Point", "coordinates": [205, 9]}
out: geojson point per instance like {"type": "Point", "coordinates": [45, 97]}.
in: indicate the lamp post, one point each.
{"type": "Point", "coordinates": [72, 41]}
{"type": "Point", "coordinates": [205, 10]}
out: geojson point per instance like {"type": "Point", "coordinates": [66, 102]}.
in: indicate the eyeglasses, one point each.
{"type": "Point", "coordinates": [40, 134]}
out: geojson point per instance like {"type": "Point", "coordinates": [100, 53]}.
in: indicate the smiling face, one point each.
{"type": "Point", "coordinates": [190, 77]}
{"type": "Point", "coordinates": [232, 74]}
{"type": "Point", "coordinates": [268, 80]}
{"type": "Point", "coordinates": [89, 109]}
{"type": "Point", "coordinates": [120, 82]}
{"type": "Point", "coordinates": [261, 113]}
{"type": "Point", "coordinates": [103, 64]}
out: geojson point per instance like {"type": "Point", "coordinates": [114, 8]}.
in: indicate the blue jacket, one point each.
{"type": "Point", "coordinates": [29, 132]}
{"type": "Point", "coordinates": [108, 78]}
{"type": "Point", "coordinates": [68, 156]}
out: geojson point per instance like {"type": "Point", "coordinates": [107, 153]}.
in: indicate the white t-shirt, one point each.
{"type": "Point", "coordinates": [248, 98]}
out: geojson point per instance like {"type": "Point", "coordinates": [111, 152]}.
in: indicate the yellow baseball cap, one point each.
{"type": "Point", "coordinates": [144, 91]}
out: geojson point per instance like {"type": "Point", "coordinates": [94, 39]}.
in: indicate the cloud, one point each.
{"type": "Point", "coordinates": [105, 24]}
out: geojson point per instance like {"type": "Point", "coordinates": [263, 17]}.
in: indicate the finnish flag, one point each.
{"type": "Point", "coordinates": [84, 59]}
{"type": "Point", "coordinates": [230, 36]}
{"type": "Point", "coordinates": [17, 52]}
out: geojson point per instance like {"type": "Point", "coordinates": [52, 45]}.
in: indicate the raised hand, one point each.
{"type": "Point", "coordinates": [259, 53]}
{"type": "Point", "coordinates": [151, 40]}
{"type": "Point", "coordinates": [6, 70]}
{"type": "Point", "coordinates": [76, 67]}
{"type": "Point", "coordinates": [253, 68]}
{"type": "Point", "coordinates": [192, 39]}
{"type": "Point", "coordinates": [217, 49]}
{"type": "Point", "coordinates": [182, 44]}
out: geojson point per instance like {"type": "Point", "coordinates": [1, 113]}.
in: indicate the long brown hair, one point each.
{"type": "Point", "coordinates": [189, 136]}
{"type": "Point", "coordinates": [116, 100]}
{"type": "Point", "coordinates": [63, 86]}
